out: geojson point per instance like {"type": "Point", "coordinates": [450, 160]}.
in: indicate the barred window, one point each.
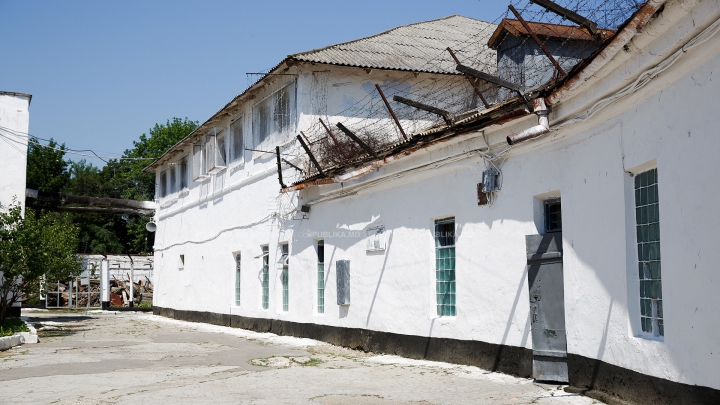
{"type": "Point", "coordinates": [265, 276]}
{"type": "Point", "coordinates": [284, 277]}
{"type": "Point", "coordinates": [275, 114]}
{"type": "Point", "coordinates": [445, 266]}
{"type": "Point", "coordinates": [647, 219]}
{"type": "Point", "coordinates": [237, 279]}
{"type": "Point", "coordinates": [321, 277]}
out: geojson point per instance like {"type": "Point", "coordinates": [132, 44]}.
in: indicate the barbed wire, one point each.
{"type": "Point", "coordinates": [502, 48]}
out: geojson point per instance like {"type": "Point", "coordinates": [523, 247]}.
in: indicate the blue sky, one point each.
{"type": "Point", "coordinates": [103, 72]}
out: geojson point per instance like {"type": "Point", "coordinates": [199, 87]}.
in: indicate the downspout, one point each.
{"type": "Point", "coordinates": [542, 128]}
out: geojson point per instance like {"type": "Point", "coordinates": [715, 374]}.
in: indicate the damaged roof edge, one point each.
{"type": "Point", "coordinates": [557, 93]}
{"type": "Point", "coordinates": [602, 56]}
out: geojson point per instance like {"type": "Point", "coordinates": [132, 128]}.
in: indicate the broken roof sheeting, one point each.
{"type": "Point", "coordinates": [408, 47]}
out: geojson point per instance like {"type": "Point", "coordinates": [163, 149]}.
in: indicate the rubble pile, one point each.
{"type": "Point", "coordinates": [120, 292]}
{"type": "Point", "coordinates": [59, 293]}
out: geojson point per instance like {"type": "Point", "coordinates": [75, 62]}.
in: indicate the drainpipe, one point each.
{"type": "Point", "coordinates": [543, 126]}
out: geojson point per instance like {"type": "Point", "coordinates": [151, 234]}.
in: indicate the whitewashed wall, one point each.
{"type": "Point", "coordinates": [671, 124]}
{"type": "Point", "coordinates": [14, 116]}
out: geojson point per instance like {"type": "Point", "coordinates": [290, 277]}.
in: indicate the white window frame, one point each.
{"type": "Point", "coordinates": [237, 155]}
{"type": "Point", "coordinates": [162, 188]}
{"type": "Point", "coordinates": [215, 151]}
{"type": "Point", "coordinates": [182, 178]}
{"type": "Point", "coordinates": [269, 103]}
{"type": "Point", "coordinates": [198, 158]}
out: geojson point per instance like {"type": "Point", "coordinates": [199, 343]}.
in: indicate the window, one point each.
{"type": "Point", "coordinates": [238, 144]}
{"type": "Point", "coordinates": [265, 276]}
{"type": "Point", "coordinates": [163, 184]}
{"type": "Point", "coordinates": [553, 215]}
{"type": "Point", "coordinates": [284, 258]}
{"type": "Point", "coordinates": [275, 114]}
{"type": "Point", "coordinates": [214, 151]}
{"type": "Point", "coordinates": [181, 262]}
{"type": "Point", "coordinates": [198, 162]}
{"type": "Point", "coordinates": [321, 277]}
{"type": "Point", "coordinates": [237, 279]}
{"type": "Point", "coordinates": [172, 181]}
{"type": "Point", "coordinates": [647, 221]}
{"type": "Point", "coordinates": [445, 266]}
{"type": "Point", "coordinates": [183, 173]}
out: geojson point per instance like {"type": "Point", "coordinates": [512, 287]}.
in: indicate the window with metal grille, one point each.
{"type": "Point", "coordinates": [647, 219]}
{"type": "Point", "coordinates": [238, 143]}
{"type": "Point", "coordinates": [275, 114]}
{"type": "Point", "coordinates": [265, 276]}
{"type": "Point", "coordinates": [284, 258]}
{"type": "Point", "coordinates": [553, 215]}
{"type": "Point", "coordinates": [237, 279]}
{"type": "Point", "coordinates": [321, 277]}
{"type": "Point", "coordinates": [445, 266]}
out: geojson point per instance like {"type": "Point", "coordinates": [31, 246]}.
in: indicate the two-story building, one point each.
{"type": "Point", "coordinates": [522, 236]}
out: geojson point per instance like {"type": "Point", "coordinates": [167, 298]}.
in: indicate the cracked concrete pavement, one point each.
{"type": "Point", "coordinates": [131, 358]}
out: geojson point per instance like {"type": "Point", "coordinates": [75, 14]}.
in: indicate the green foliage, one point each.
{"type": "Point", "coordinates": [12, 325]}
{"type": "Point", "coordinates": [128, 179]}
{"type": "Point", "coordinates": [46, 168]}
{"type": "Point", "coordinates": [33, 248]}
{"type": "Point", "coordinates": [106, 233]}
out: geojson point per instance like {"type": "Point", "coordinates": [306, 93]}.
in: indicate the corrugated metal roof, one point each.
{"type": "Point", "coordinates": [416, 47]}
{"type": "Point", "coordinates": [413, 47]}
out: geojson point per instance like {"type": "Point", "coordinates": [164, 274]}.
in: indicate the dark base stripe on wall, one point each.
{"type": "Point", "coordinates": [585, 373]}
{"type": "Point", "coordinates": [488, 356]}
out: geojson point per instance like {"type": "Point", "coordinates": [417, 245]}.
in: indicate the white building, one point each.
{"type": "Point", "coordinates": [14, 122]}
{"type": "Point", "coordinates": [556, 277]}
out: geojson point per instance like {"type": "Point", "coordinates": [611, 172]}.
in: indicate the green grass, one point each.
{"type": "Point", "coordinates": [144, 305]}
{"type": "Point", "coordinates": [12, 325]}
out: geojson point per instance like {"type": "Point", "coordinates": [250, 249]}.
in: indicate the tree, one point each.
{"type": "Point", "coordinates": [129, 181]}
{"type": "Point", "coordinates": [33, 248]}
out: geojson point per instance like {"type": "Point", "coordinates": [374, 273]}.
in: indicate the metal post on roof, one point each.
{"type": "Point", "coordinates": [570, 15]}
{"type": "Point", "coordinates": [397, 122]}
{"type": "Point", "coordinates": [444, 114]}
{"type": "Point", "coordinates": [292, 165]}
{"type": "Point", "coordinates": [489, 78]}
{"type": "Point", "coordinates": [357, 140]}
{"type": "Point", "coordinates": [537, 40]}
{"type": "Point", "coordinates": [333, 138]}
{"type": "Point", "coordinates": [473, 83]}
{"type": "Point", "coordinates": [279, 166]}
{"type": "Point", "coordinates": [312, 158]}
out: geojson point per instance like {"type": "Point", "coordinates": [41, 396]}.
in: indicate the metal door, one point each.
{"type": "Point", "coordinates": [547, 306]}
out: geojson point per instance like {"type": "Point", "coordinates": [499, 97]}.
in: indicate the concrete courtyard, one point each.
{"type": "Point", "coordinates": [137, 358]}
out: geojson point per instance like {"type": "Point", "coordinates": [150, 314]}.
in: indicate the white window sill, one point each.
{"type": "Point", "coordinates": [202, 179]}
{"type": "Point", "coordinates": [184, 192]}
{"type": "Point", "coordinates": [652, 338]}
{"type": "Point", "coordinates": [165, 203]}
{"type": "Point", "coordinates": [236, 166]}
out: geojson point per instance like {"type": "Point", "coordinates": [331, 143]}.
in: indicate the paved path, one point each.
{"type": "Point", "coordinates": [134, 358]}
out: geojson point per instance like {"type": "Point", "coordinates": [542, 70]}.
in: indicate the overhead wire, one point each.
{"type": "Point", "coordinates": [29, 138]}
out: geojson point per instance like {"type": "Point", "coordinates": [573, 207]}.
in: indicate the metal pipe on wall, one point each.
{"type": "Point", "coordinates": [541, 128]}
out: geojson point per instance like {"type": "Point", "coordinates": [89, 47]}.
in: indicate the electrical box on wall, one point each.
{"type": "Point", "coordinates": [342, 268]}
{"type": "Point", "coordinates": [490, 180]}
